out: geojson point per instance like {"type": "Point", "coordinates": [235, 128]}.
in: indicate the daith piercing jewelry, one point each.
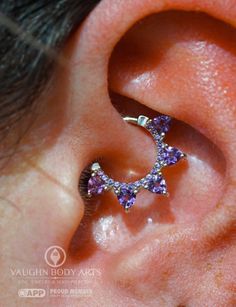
{"type": "Point", "coordinates": [154, 181]}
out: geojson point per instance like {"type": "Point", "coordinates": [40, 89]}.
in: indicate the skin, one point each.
{"type": "Point", "coordinates": [177, 63]}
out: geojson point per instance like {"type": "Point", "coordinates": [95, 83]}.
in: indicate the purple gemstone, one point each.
{"type": "Point", "coordinates": [157, 137]}
{"type": "Point", "coordinates": [137, 184]}
{"type": "Point", "coordinates": [170, 155]}
{"type": "Point", "coordinates": [116, 184]}
{"type": "Point", "coordinates": [126, 197]}
{"type": "Point", "coordinates": [104, 177]}
{"type": "Point", "coordinates": [95, 185]}
{"type": "Point", "coordinates": [160, 124]}
{"type": "Point", "coordinates": [157, 185]}
{"type": "Point", "coordinates": [110, 181]}
{"type": "Point", "coordinates": [154, 171]}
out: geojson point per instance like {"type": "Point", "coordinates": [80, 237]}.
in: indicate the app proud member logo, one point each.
{"type": "Point", "coordinates": [55, 256]}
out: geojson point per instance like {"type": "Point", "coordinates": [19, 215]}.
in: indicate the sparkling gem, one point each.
{"type": "Point", "coordinates": [157, 185]}
{"type": "Point", "coordinates": [157, 137]}
{"type": "Point", "coordinates": [154, 171]}
{"type": "Point", "coordinates": [126, 196]}
{"type": "Point", "coordinates": [159, 124]}
{"type": "Point", "coordinates": [95, 185]}
{"type": "Point", "coordinates": [110, 181]}
{"type": "Point", "coordinates": [137, 184]}
{"type": "Point", "coordinates": [104, 177]}
{"type": "Point", "coordinates": [171, 155]}
{"type": "Point", "coordinates": [116, 184]}
{"type": "Point", "coordinates": [100, 173]}
{"type": "Point", "coordinates": [157, 165]}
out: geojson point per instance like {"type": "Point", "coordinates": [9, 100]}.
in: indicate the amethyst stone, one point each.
{"type": "Point", "coordinates": [157, 185]}
{"type": "Point", "coordinates": [160, 124]}
{"type": "Point", "coordinates": [171, 155]}
{"type": "Point", "coordinates": [95, 185]}
{"type": "Point", "coordinates": [126, 196]}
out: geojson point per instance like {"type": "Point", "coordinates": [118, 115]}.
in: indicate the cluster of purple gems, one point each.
{"type": "Point", "coordinates": [154, 181]}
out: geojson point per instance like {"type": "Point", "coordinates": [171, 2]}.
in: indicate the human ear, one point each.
{"type": "Point", "coordinates": [142, 255]}
{"type": "Point", "coordinates": [180, 64]}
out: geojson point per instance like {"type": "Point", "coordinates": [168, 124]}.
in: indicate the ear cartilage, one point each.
{"type": "Point", "coordinates": [154, 181]}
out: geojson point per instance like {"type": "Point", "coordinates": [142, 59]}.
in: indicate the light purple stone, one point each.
{"type": "Point", "coordinates": [104, 177]}
{"type": "Point", "coordinates": [160, 124]}
{"type": "Point", "coordinates": [157, 185]}
{"type": "Point", "coordinates": [126, 197]}
{"type": "Point", "coordinates": [137, 184]}
{"type": "Point", "coordinates": [110, 181]}
{"type": "Point", "coordinates": [157, 165]}
{"type": "Point", "coordinates": [116, 184]}
{"type": "Point", "coordinates": [95, 185]}
{"type": "Point", "coordinates": [157, 137]}
{"type": "Point", "coordinates": [170, 155]}
{"type": "Point", "coordinates": [153, 171]}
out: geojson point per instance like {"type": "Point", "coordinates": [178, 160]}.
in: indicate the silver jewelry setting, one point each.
{"type": "Point", "coordinates": [154, 181]}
